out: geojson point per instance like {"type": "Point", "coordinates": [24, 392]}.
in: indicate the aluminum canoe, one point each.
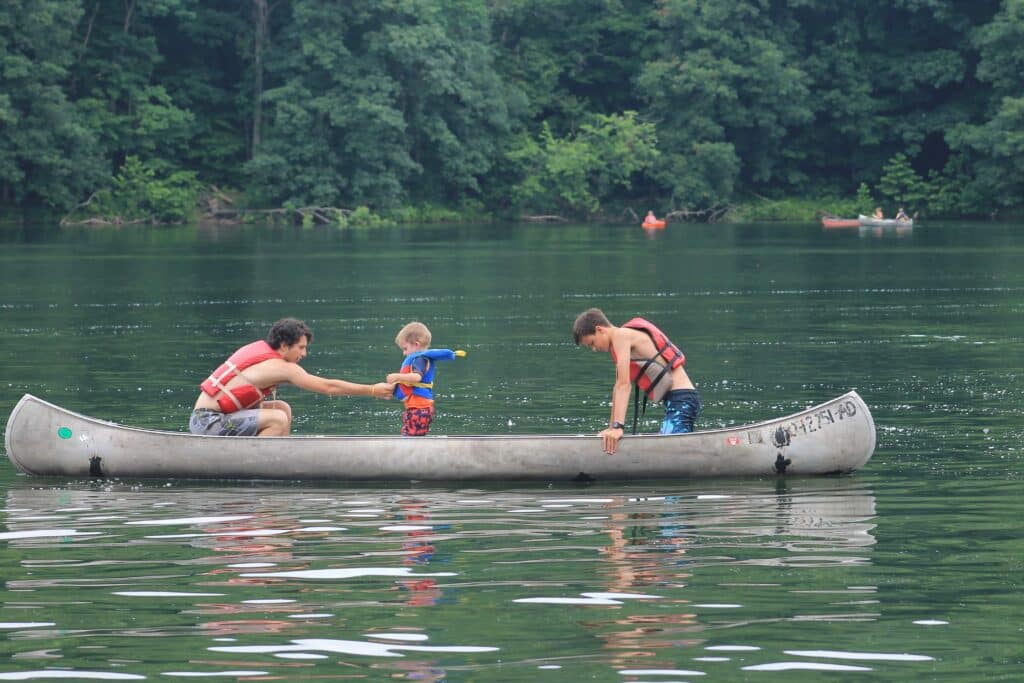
{"type": "Point", "coordinates": [835, 437]}
{"type": "Point", "coordinates": [885, 222]}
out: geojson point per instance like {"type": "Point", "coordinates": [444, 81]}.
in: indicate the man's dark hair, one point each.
{"type": "Point", "coordinates": [288, 331]}
{"type": "Point", "coordinates": [587, 322]}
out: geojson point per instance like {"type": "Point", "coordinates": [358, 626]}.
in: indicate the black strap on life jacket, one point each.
{"type": "Point", "coordinates": [666, 368]}
{"type": "Point", "coordinates": [648, 363]}
{"type": "Point", "coordinates": [637, 411]}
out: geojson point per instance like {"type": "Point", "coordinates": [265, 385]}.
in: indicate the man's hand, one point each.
{"type": "Point", "coordinates": [383, 390]}
{"type": "Point", "coordinates": [610, 440]}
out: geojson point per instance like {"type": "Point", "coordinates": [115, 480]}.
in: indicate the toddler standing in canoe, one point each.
{"type": "Point", "coordinates": [414, 382]}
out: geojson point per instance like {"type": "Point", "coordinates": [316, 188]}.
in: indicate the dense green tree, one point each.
{"type": "Point", "coordinates": [993, 150]}
{"type": "Point", "coordinates": [379, 103]}
{"type": "Point", "coordinates": [576, 173]}
{"type": "Point", "coordinates": [211, 61]}
{"type": "Point", "coordinates": [901, 185]}
{"type": "Point", "coordinates": [138, 194]}
{"type": "Point", "coordinates": [522, 104]}
{"type": "Point", "coordinates": [888, 78]}
{"type": "Point", "coordinates": [724, 97]}
{"type": "Point", "coordinates": [114, 87]}
{"type": "Point", "coordinates": [47, 157]}
{"type": "Point", "coordinates": [574, 58]}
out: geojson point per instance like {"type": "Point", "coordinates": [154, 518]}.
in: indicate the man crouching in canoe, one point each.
{"type": "Point", "coordinates": [232, 401]}
{"type": "Point", "coordinates": [643, 356]}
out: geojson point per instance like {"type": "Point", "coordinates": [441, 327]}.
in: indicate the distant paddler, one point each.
{"type": "Point", "coordinates": [234, 400]}
{"type": "Point", "coordinates": [652, 222]}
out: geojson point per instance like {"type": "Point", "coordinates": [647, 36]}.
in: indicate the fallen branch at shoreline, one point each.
{"type": "Point", "coordinates": [544, 219]}
{"type": "Point", "coordinates": [708, 215]}
{"type": "Point", "coordinates": [319, 215]}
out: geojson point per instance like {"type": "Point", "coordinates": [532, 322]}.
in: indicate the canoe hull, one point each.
{"type": "Point", "coordinates": [43, 439]}
{"type": "Point", "coordinates": [884, 222]}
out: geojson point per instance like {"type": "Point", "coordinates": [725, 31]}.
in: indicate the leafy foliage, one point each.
{"type": "Point", "coordinates": [991, 162]}
{"type": "Point", "coordinates": [552, 106]}
{"type": "Point", "coordinates": [900, 184]}
{"type": "Point", "coordinates": [865, 202]}
{"type": "Point", "coordinates": [48, 156]}
{"type": "Point", "coordinates": [374, 100]}
{"type": "Point", "coordinates": [139, 194]}
{"type": "Point", "coordinates": [803, 210]}
{"type": "Point", "coordinates": [577, 172]}
{"type": "Point", "coordinates": [725, 99]}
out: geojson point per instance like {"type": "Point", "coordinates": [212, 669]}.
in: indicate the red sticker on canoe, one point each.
{"type": "Point", "coordinates": [732, 441]}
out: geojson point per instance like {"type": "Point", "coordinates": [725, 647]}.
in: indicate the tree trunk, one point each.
{"type": "Point", "coordinates": [260, 18]}
{"type": "Point", "coordinates": [129, 15]}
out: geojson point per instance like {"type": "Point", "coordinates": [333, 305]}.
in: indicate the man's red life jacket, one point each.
{"type": "Point", "coordinates": [654, 375]}
{"type": "Point", "coordinates": [241, 396]}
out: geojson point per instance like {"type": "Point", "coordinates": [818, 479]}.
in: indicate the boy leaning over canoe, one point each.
{"type": "Point", "coordinates": [644, 356]}
{"type": "Point", "coordinates": [414, 382]}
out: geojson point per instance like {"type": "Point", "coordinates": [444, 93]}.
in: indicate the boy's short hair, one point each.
{"type": "Point", "coordinates": [587, 322]}
{"type": "Point", "coordinates": [414, 332]}
{"type": "Point", "coordinates": [288, 331]}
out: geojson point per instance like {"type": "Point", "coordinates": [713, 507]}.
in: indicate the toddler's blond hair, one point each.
{"type": "Point", "coordinates": [414, 332]}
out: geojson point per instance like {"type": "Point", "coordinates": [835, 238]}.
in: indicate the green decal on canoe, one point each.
{"type": "Point", "coordinates": [64, 433]}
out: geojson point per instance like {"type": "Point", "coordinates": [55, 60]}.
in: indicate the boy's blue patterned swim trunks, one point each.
{"type": "Point", "coordinates": [682, 407]}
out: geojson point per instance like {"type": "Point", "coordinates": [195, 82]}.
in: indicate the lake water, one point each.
{"type": "Point", "coordinates": [909, 570]}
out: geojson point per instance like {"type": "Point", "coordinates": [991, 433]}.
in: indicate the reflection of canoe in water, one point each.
{"type": "Point", "coordinates": [44, 439]}
{"type": "Point", "coordinates": [885, 222]}
{"type": "Point", "coordinates": [835, 512]}
{"type": "Point", "coordinates": [840, 222]}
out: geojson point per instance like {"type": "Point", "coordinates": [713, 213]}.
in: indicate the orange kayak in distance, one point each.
{"type": "Point", "coordinates": [840, 222]}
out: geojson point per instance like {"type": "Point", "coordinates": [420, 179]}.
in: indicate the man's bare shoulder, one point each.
{"type": "Point", "coordinates": [275, 371]}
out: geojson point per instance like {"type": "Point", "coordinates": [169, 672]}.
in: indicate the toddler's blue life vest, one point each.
{"type": "Point", "coordinates": [425, 387]}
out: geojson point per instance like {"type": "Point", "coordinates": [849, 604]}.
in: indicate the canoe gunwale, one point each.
{"type": "Point", "coordinates": [377, 437]}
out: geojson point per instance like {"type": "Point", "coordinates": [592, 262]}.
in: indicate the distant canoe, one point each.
{"type": "Point", "coordinates": [652, 225]}
{"type": "Point", "coordinates": [840, 222]}
{"type": "Point", "coordinates": [837, 436]}
{"type": "Point", "coordinates": [885, 222]}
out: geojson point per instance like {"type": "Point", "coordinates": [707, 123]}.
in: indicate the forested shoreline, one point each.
{"type": "Point", "coordinates": [160, 110]}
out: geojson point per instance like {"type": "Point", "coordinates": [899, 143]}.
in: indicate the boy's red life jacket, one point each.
{"type": "Point", "coordinates": [654, 375]}
{"type": "Point", "coordinates": [241, 396]}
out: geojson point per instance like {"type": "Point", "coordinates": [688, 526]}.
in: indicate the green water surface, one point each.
{"type": "Point", "coordinates": [908, 570]}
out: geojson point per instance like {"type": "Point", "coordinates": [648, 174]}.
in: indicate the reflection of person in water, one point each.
{"type": "Point", "coordinates": [418, 550]}
{"type": "Point", "coordinates": [238, 542]}
{"type": "Point", "coordinates": [634, 565]}
{"type": "Point", "coordinates": [419, 671]}
{"type": "Point", "coordinates": [242, 540]}
{"type": "Point", "coordinates": [233, 627]}
{"type": "Point", "coordinates": [664, 532]}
